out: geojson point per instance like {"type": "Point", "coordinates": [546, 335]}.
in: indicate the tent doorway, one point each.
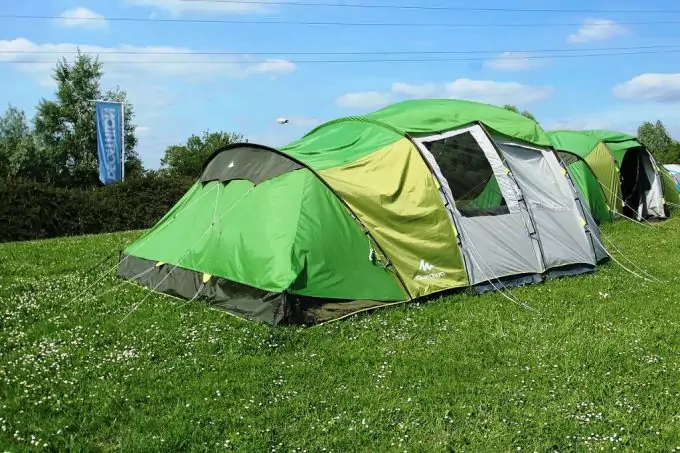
{"type": "Point", "coordinates": [484, 201]}
{"type": "Point", "coordinates": [635, 182]}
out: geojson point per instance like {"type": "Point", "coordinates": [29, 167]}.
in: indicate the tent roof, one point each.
{"type": "Point", "coordinates": [575, 142]}
{"type": "Point", "coordinates": [608, 136]}
{"type": "Point", "coordinates": [425, 116]}
{"type": "Point", "coordinates": [618, 142]}
{"type": "Point", "coordinates": [344, 140]}
{"type": "Point", "coordinates": [583, 142]}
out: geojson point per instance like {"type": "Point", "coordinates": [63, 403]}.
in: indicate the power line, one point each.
{"type": "Point", "coordinates": [379, 52]}
{"type": "Point", "coordinates": [433, 8]}
{"type": "Point", "coordinates": [324, 61]}
{"type": "Point", "coordinates": [338, 23]}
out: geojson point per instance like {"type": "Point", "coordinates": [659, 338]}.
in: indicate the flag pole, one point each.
{"type": "Point", "coordinates": [122, 141]}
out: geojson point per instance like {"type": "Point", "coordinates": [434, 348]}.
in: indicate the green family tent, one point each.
{"type": "Point", "coordinates": [615, 173]}
{"type": "Point", "coordinates": [415, 199]}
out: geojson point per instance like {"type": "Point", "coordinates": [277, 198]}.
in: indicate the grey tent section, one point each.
{"type": "Point", "coordinates": [654, 199]}
{"type": "Point", "coordinates": [556, 206]}
{"type": "Point", "coordinates": [496, 187]}
{"type": "Point", "coordinates": [251, 162]}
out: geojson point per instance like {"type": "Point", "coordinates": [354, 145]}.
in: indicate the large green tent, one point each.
{"type": "Point", "coordinates": [593, 168]}
{"type": "Point", "coordinates": [412, 200]}
{"type": "Point", "coordinates": [631, 181]}
{"type": "Point", "coordinates": [631, 156]}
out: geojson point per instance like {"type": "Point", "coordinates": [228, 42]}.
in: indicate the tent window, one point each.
{"type": "Point", "coordinates": [470, 176]}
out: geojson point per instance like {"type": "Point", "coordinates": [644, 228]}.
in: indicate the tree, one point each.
{"type": "Point", "coordinates": [525, 113]}
{"type": "Point", "coordinates": [188, 159]}
{"type": "Point", "coordinates": [659, 142]}
{"type": "Point", "coordinates": [66, 129]}
{"type": "Point", "coordinates": [529, 115]}
{"type": "Point", "coordinates": [19, 155]}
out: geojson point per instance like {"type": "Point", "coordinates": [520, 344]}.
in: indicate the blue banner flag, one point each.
{"type": "Point", "coordinates": [110, 141]}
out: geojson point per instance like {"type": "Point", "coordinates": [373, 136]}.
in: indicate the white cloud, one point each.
{"type": "Point", "coordinates": [596, 30]}
{"type": "Point", "coordinates": [621, 117]}
{"type": "Point", "coordinates": [364, 99]}
{"type": "Point", "coordinates": [83, 18]}
{"type": "Point", "coordinates": [498, 92]}
{"type": "Point", "coordinates": [130, 62]}
{"type": "Point", "coordinates": [180, 7]}
{"type": "Point", "coordinates": [275, 66]}
{"type": "Point", "coordinates": [475, 90]}
{"type": "Point", "coordinates": [650, 87]}
{"type": "Point", "coordinates": [154, 86]}
{"type": "Point", "coordinates": [416, 91]}
{"type": "Point", "coordinates": [513, 61]}
{"type": "Point", "coordinates": [142, 131]}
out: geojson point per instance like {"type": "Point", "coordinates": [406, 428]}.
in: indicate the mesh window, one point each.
{"type": "Point", "coordinates": [469, 174]}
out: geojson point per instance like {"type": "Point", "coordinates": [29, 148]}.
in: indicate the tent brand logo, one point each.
{"type": "Point", "coordinates": [427, 267]}
{"type": "Point", "coordinates": [231, 164]}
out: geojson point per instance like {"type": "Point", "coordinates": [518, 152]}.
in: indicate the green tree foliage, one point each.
{"type": "Point", "coordinates": [659, 142]}
{"type": "Point", "coordinates": [65, 127]}
{"type": "Point", "coordinates": [525, 113]}
{"type": "Point", "coordinates": [188, 159]}
{"type": "Point", "coordinates": [19, 155]}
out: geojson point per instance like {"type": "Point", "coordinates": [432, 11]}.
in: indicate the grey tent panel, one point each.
{"type": "Point", "coordinates": [249, 162]}
{"type": "Point", "coordinates": [568, 158]}
{"type": "Point", "coordinates": [654, 199]}
{"type": "Point", "coordinates": [497, 246]}
{"type": "Point", "coordinates": [553, 205]}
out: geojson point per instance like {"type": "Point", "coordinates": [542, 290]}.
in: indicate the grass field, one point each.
{"type": "Point", "coordinates": [596, 368]}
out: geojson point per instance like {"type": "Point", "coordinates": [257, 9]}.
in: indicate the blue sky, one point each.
{"type": "Point", "coordinates": [197, 92]}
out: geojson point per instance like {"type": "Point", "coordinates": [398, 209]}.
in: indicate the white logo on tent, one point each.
{"type": "Point", "coordinates": [427, 267]}
{"type": "Point", "coordinates": [231, 164]}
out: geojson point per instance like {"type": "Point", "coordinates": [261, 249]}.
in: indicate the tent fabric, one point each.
{"type": "Point", "coordinates": [669, 182]}
{"type": "Point", "coordinates": [395, 195]}
{"type": "Point", "coordinates": [254, 163]}
{"type": "Point", "coordinates": [418, 198]}
{"type": "Point", "coordinates": [422, 117]}
{"type": "Point", "coordinates": [271, 241]}
{"type": "Point", "coordinates": [674, 171]}
{"type": "Point", "coordinates": [633, 183]}
{"type": "Point", "coordinates": [552, 203]}
{"type": "Point", "coordinates": [589, 186]}
{"type": "Point", "coordinates": [620, 143]}
{"type": "Point", "coordinates": [341, 141]}
{"type": "Point", "coordinates": [601, 162]}
{"type": "Point", "coordinates": [487, 257]}
{"type": "Point", "coordinates": [278, 237]}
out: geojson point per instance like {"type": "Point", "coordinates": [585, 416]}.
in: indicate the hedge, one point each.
{"type": "Point", "coordinates": [34, 211]}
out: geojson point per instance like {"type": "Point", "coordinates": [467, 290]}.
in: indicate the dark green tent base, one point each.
{"type": "Point", "coordinates": [238, 299]}
{"type": "Point", "coordinates": [257, 305]}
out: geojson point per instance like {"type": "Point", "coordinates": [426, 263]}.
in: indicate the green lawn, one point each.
{"type": "Point", "coordinates": [596, 368]}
